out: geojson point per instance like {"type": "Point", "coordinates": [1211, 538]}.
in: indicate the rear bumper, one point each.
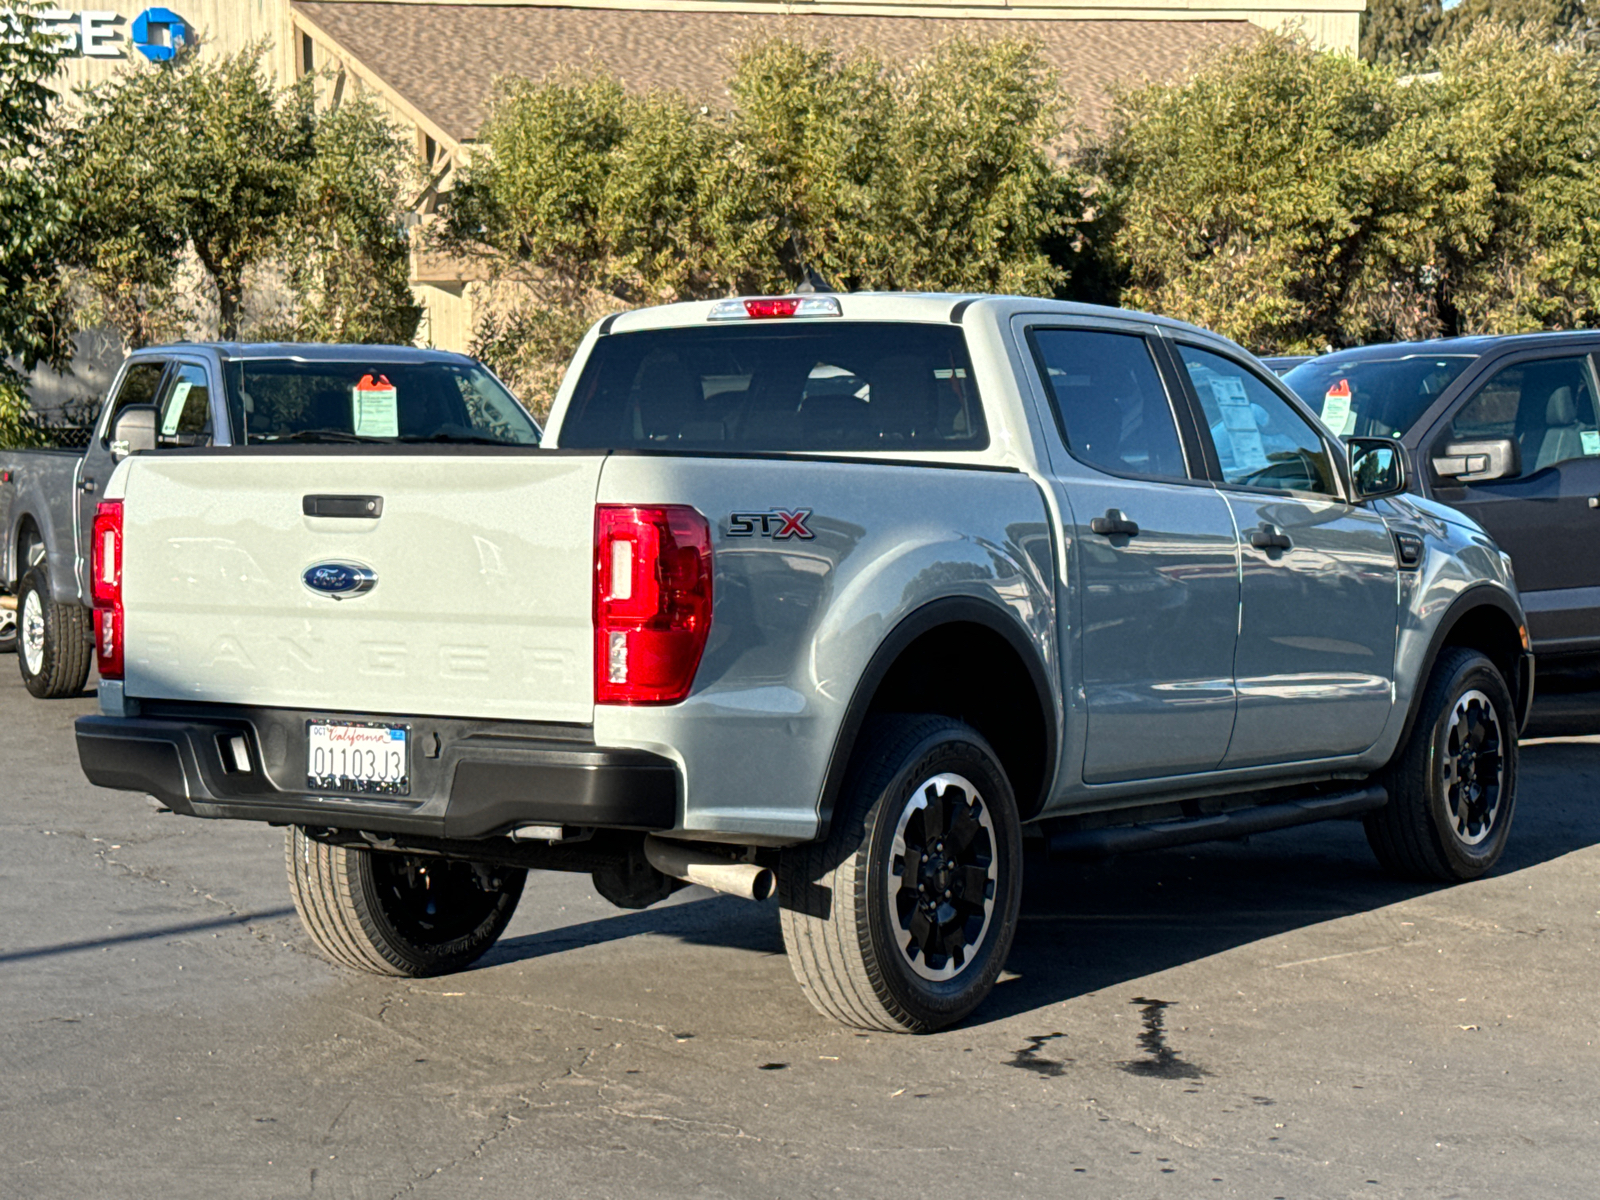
{"type": "Point", "coordinates": [469, 779]}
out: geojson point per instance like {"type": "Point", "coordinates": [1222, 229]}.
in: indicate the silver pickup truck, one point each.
{"type": "Point", "coordinates": [850, 597]}
{"type": "Point", "coordinates": [195, 394]}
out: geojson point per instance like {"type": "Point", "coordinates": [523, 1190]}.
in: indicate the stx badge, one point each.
{"type": "Point", "coordinates": [777, 524]}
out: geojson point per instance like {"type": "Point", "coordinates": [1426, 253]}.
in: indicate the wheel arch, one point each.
{"type": "Point", "coordinates": [990, 675]}
{"type": "Point", "coordinates": [1486, 619]}
{"type": "Point", "coordinates": [25, 529]}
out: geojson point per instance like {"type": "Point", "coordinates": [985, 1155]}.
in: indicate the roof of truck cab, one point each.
{"type": "Point", "coordinates": [1463, 346]}
{"type": "Point", "coordinates": [904, 306]}
{"type": "Point", "coordinates": [308, 352]}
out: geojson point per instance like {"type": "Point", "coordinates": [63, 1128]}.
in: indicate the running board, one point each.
{"type": "Point", "coordinates": [1240, 822]}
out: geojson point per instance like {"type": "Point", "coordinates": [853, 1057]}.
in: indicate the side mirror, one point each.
{"type": "Point", "coordinates": [133, 430]}
{"type": "Point", "coordinates": [1479, 462]}
{"type": "Point", "coordinates": [1378, 466]}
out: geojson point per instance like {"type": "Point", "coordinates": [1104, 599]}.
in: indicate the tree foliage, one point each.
{"type": "Point", "coordinates": [208, 155]}
{"type": "Point", "coordinates": [1297, 200]}
{"type": "Point", "coordinates": [936, 174]}
{"type": "Point", "coordinates": [34, 325]}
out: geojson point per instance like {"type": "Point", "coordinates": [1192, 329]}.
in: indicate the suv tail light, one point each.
{"type": "Point", "coordinates": [652, 602]}
{"type": "Point", "coordinates": [105, 585]}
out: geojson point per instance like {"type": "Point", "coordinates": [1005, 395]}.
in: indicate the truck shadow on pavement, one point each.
{"type": "Point", "coordinates": [1087, 927]}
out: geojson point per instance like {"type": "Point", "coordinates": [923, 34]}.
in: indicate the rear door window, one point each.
{"type": "Point", "coordinates": [770, 387]}
{"type": "Point", "coordinates": [1109, 401]}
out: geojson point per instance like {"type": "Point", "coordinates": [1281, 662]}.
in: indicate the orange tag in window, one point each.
{"type": "Point", "coordinates": [1336, 413]}
{"type": "Point", "coordinates": [374, 408]}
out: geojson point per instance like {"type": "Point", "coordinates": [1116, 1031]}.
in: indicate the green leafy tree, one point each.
{"type": "Point", "coordinates": [1504, 182]}
{"type": "Point", "coordinates": [342, 248]}
{"type": "Point", "coordinates": [1250, 197]}
{"type": "Point", "coordinates": [34, 316]}
{"type": "Point", "coordinates": [1400, 31]}
{"type": "Point", "coordinates": [1297, 200]}
{"type": "Point", "coordinates": [937, 174]}
{"type": "Point", "coordinates": [200, 152]}
{"type": "Point", "coordinates": [1561, 22]}
{"type": "Point", "coordinates": [210, 156]}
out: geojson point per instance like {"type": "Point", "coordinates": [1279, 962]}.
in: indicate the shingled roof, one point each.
{"type": "Point", "coordinates": [443, 58]}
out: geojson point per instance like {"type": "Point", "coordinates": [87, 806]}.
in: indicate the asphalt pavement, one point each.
{"type": "Point", "coordinates": [1267, 1019]}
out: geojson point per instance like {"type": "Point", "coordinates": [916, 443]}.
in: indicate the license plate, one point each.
{"type": "Point", "coordinates": [358, 756]}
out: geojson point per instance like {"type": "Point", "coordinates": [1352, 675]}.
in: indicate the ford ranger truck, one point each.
{"type": "Point", "coordinates": [842, 597]}
{"type": "Point", "coordinates": [215, 394]}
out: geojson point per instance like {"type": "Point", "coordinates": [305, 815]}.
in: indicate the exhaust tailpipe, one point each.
{"type": "Point", "coordinates": [694, 865]}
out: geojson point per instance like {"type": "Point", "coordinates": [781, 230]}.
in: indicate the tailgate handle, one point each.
{"type": "Point", "coordinates": [367, 507]}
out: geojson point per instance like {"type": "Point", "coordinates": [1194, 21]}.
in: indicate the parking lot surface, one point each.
{"type": "Point", "coordinates": [1270, 1019]}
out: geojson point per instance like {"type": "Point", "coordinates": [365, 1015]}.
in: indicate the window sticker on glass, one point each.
{"type": "Point", "coordinates": [1239, 421]}
{"type": "Point", "coordinates": [175, 406]}
{"type": "Point", "coordinates": [1591, 441]}
{"type": "Point", "coordinates": [375, 409]}
{"type": "Point", "coordinates": [1336, 411]}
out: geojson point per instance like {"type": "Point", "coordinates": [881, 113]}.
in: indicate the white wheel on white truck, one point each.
{"type": "Point", "coordinates": [398, 914]}
{"type": "Point", "coordinates": [901, 920]}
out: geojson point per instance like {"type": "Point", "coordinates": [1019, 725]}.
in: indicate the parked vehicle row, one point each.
{"type": "Point", "coordinates": [221, 396]}
{"type": "Point", "coordinates": [839, 596]}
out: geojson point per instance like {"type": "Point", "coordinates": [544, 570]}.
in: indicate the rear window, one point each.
{"type": "Point", "coordinates": [1375, 397]}
{"type": "Point", "coordinates": [272, 400]}
{"type": "Point", "coordinates": [770, 386]}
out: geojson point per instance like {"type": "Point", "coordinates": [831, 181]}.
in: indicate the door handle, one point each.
{"type": "Point", "coordinates": [1270, 537]}
{"type": "Point", "coordinates": [1114, 524]}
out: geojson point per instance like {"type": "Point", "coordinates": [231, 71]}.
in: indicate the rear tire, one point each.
{"type": "Point", "coordinates": [901, 920]}
{"type": "Point", "coordinates": [398, 914]}
{"type": "Point", "coordinates": [1453, 785]}
{"type": "Point", "coordinates": [54, 643]}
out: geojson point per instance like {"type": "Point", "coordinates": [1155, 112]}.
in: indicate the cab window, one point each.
{"type": "Point", "coordinates": [1261, 442]}
{"type": "Point", "coordinates": [185, 417]}
{"type": "Point", "coordinates": [1547, 407]}
{"type": "Point", "coordinates": [1109, 402]}
{"type": "Point", "coordinates": [139, 384]}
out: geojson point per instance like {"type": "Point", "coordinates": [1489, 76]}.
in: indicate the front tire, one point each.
{"type": "Point", "coordinates": [1453, 785]}
{"type": "Point", "coordinates": [398, 914]}
{"type": "Point", "coordinates": [54, 646]}
{"type": "Point", "coordinates": [901, 920]}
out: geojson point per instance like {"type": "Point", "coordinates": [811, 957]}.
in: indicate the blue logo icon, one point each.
{"type": "Point", "coordinates": [340, 581]}
{"type": "Point", "coordinates": [160, 34]}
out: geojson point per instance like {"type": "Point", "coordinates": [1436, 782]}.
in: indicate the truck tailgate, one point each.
{"type": "Point", "coordinates": [481, 605]}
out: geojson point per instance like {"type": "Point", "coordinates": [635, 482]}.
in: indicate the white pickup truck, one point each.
{"type": "Point", "coordinates": [840, 596]}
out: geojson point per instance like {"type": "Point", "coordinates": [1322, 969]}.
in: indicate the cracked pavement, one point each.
{"type": "Point", "coordinates": [1273, 1019]}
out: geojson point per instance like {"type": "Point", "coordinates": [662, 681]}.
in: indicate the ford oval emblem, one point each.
{"type": "Point", "coordinates": [340, 581]}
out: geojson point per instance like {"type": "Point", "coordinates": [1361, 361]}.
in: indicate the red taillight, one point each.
{"type": "Point", "coordinates": [105, 585]}
{"type": "Point", "coordinates": [762, 309]}
{"type": "Point", "coordinates": [652, 602]}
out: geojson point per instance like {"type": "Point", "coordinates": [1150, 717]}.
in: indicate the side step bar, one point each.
{"type": "Point", "coordinates": [1083, 844]}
